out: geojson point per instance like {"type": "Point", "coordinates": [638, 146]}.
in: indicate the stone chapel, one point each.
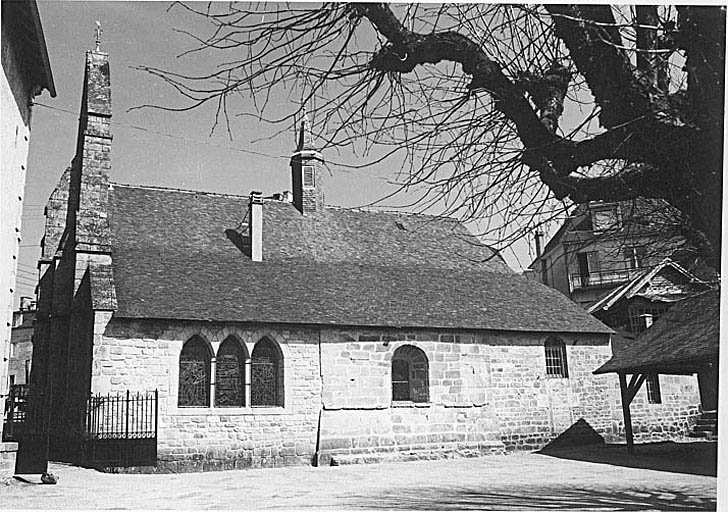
{"type": "Point", "coordinates": [286, 331]}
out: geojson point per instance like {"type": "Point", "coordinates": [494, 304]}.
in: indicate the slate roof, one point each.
{"type": "Point", "coordinates": [688, 332]}
{"type": "Point", "coordinates": [181, 255]}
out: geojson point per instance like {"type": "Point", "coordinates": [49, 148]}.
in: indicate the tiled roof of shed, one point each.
{"type": "Point", "coordinates": [689, 331]}
{"type": "Point", "coordinates": [176, 255]}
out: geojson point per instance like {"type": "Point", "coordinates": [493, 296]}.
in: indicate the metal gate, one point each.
{"type": "Point", "coordinates": [121, 430]}
{"type": "Point", "coordinates": [16, 410]}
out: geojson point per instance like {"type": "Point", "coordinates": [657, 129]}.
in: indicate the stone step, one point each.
{"type": "Point", "coordinates": [702, 435]}
{"type": "Point", "coordinates": [709, 415]}
{"type": "Point", "coordinates": [707, 423]}
{"type": "Point", "coordinates": [705, 428]}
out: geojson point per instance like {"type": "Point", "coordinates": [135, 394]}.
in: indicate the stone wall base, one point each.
{"type": "Point", "coordinates": [198, 464]}
{"type": "Point", "coordinates": [7, 459]}
{"type": "Point", "coordinates": [407, 453]}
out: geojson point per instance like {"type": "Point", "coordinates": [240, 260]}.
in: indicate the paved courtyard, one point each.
{"type": "Point", "coordinates": [508, 482]}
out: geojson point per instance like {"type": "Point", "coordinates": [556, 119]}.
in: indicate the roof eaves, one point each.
{"type": "Point", "coordinates": [42, 50]}
{"type": "Point", "coordinates": [592, 330]}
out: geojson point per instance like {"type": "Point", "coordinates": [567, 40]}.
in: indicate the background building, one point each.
{"type": "Point", "coordinates": [21, 343]}
{"type": "Point", "coordinates": [602, 246]}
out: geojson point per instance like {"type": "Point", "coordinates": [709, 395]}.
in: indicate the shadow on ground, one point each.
{"type": "Point", "coordinates": [546, 499]}
{"type": "Point", "coordinates": [581, 442]}
{"type": "Point", "coordinates": [699, 458]}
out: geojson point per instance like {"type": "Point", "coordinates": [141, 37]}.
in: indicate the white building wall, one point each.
{"type": "Point", "coordinates": [14, 141]}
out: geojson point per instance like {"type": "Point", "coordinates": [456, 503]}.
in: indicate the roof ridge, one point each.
{"type": "Point", "coordinates": [174, 189]}
{"type": "Point", "coordinates": [328, 206]}
{"type": "Point", "coordinates": [393, 212]}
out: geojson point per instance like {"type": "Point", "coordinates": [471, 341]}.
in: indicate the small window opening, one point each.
{"type": "Point", "coordinates": [556, 358]}
{"type": "Point", "coordinates": [309, 176]}
{"type": "Point", "coordinates": [653, 388]}
{"type": "Point", "coordinates": [410, 379]}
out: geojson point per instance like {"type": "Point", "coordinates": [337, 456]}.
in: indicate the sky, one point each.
{"type": "Point", "coordinates": [156, 147]}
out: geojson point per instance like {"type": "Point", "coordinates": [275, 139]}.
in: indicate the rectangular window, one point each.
{"type": "Point", "coordinates": [653, 388]}
{"type": "Point", "coordinates": [556, 359]}
{"type": "Point", "coordinates": [606, 219]}
{"type": "Point", "coordinates": [635, 257]}
{"type": "Point", "coordinates": [309, 176]}
{"type": "Point", "coordinates": [583, 261]}
{"type": "Point", "coordinates": [588, 264]}
{"type": "Point", "coordinates": [638, 317]}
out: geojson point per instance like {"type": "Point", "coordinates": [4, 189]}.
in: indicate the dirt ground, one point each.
{"type": "Point", "coordinates": [667, 477]}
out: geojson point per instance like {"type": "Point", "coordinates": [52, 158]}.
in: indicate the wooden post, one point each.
{"type": "Point", "coordinates": [626, 399]}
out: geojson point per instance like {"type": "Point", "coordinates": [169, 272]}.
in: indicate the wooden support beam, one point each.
{"type": "Point", "coordinates": [628, 392]}
{"type": "Point", "coordinates": [624, 389]}
{"type": "Point", "coordinates": [635, 385]}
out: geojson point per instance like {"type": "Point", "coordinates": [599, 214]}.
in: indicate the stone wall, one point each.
{"type": "Point", "coordinates": [669, 420]}
{"type": "Point", "coordinates": [360, 423]}
{"type": "Point", "coordinates": [487, 393]}
{"type": "Point", "coordinates": [8, 451]}
{"type": "Point", "coordinates": [144, 356]}
{"type": "Point", "coordinates": [534, 408]}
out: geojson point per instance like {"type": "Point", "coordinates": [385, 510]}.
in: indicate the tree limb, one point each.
{"type": "Point", "coordinates": [406, 50]}
{"type": "Point", "coordinates": [594, 49]}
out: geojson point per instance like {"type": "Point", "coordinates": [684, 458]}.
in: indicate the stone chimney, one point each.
{"type": "Point", "coordinates": [538, 237]}
{"type": "Point", "coordinates": [91, 166]}
{"type": "Point", "coordinates": [306, 167]}
{"type": "Point", "coordinates": [255, 226]}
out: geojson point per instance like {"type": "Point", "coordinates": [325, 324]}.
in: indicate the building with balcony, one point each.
{"type": "Point", "coordinates": [602, 246]}
{"type": "Point", "coordinates": [633, 306]}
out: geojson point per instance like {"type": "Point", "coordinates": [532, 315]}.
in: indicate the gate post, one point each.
{"type": "Point", "coordinates": [127, 451]}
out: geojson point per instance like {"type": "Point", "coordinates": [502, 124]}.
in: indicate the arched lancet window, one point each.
{"type": "Point", "coordinates": [556, 358]}
{"type": "Point", "coordinates": [266, 375]}
{"type": "Point", "coordinates": [194, 374]}
{"type": "Point", "coordinates": [230, 374]}
{"type": "Point", "coordinates": [410, 378]}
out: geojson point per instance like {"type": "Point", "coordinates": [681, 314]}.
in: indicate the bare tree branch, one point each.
{"type": "Point", "coordinates": [465, 102]}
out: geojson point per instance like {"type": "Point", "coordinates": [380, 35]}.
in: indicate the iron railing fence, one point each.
{"type": "Point", "coordinates": [15, 412]}
{"type": "Point", "coordinates": [601, 278]}
{"type": "Point", "coordinates": [122, 416]}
